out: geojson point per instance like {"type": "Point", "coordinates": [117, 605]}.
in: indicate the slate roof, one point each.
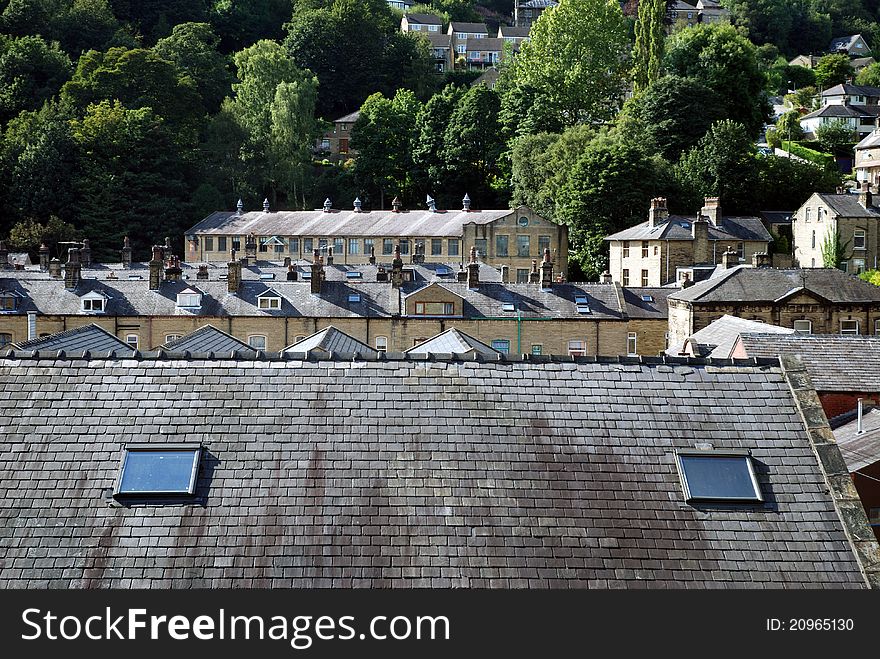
{"type": "Point", "coordinates": [860, 450]}
{"type": "Point", "coordinates": [349, 475]}
{"type": "Point", "coordinates": [414, 223]}
{"type": "Point", "coordinates": [837, 111]}
{"type": "Point", "coordinates": [453, 342]}
{"type": "Point", "coordinates": [487, 45]}
{"type": "Point", "coordinates": [208, 339]}
{"type": "Point", "coordinates": [679, 228]}
{"type": "Point", "coordinates": [333, 340]}
{"type": "Point", "coordinates": [349, 118]}
{"type": "Point", "coordinates": [847, 205]}
{"type": "Point", "coordinates": [511, 32]}
{"type": "Point", "coordinates": [88, 337]}
{"type": "Point", "coordinates": [848, 89]}
{"type": "Point", "coordinates": [472, 28]}
{"type": "Point", "coordinates": [756, 285]}
{"type": "Point", "coordinates": [869, 141]}
{"type": "Point", "coordinates": [776, 218]}
{"type": "Point", "coordinates": [537, 4]}
{"type": "Point", "coordinates": [835, 362]}
{"type": "Point", "coordinates": [843, 43]}
{"type": "Point", "coordinates": [424, 19]}
{"type": "Point", "coordinates": [438, 40]}
{"type": "Point", "coordinates": [717, 339]}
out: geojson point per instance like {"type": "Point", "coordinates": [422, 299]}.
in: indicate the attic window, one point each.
{"type": "Point", "coordinates": [443, 271]}
{"type": "Point", "coordinates": [718, 476]}
{"type": "Point", "coordinates": [8, 301]}
{"type": "Point", "coordinates": [581, 299]}
{"type": "Point", "coordinates": [269, 302]}
{"type": "Point", "coordinates": [154, 469]}
{"type": "Point", "coordinates": [647, 298]}
{"type": "Point", "coordinates": [189, 299]}
{"type": "Point", "coordinates": [508, 306]}
{"type": "Point", "coordinates": [354, 297]}
{"type": "Point", "coordinates": [93, 304]}
{"type": "Point", "coordinates": [135, 277]}
{"type": "Point", "coordinates": [267, 275]}
{"type": "Point", "coordinates": [306, 274]}
{"type": "Point", "coordinates": [353, 274]}
{"type": "Point", "coordinates": [583, 308]}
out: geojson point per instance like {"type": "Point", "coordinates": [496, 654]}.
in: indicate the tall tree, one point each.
{"type": "Point", "coordinates": [31, 72]}
{"type": "Point", "coordinates": [575, 63]}
{"type": "Point", "coordinates": [193, 48]}
{"type": "Point", "coordinates": [431, 123]}
{"type": "Point", "coordinates": [650, 35]}
{"type": "Point", "coordinates": [833, 70]}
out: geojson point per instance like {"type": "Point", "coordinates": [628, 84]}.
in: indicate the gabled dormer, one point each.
{"type": "Point", "coordinates": [94, 302]}
{"type": "Point", "coordinates": [434, 300]}
{"type": "Point", "coordinates": [189, 298]}
{"type": "Point", "coordinates": [9, 300]}
{"type": "Point", "coordinates": [269, 300]}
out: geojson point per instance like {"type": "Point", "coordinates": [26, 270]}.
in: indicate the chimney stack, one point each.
{"type": "Point", "coordinates": [761, 260]}
{"type": "Point", "coordinates": [85, 254]}
{"type": "Point", "coordinates": [397, 268]}
{"type": "Point", "coordinates": [466, 203]}
{"type": "Point", "coordinates": [712, 209]}
{"type": "Point", "coordinates": [55, 268]}
{"type": "Point", "coordinates": [658, 213]}
{"type": "Point", "coordinates": [44, 257]}
{"type": "Point", "coordinates": [372, 255]}
{"type": "Point", "coordinates": [547, 271]}
{"type": "Point", "coordinates": [462, 275]}
{"type": "Point", "coordinates": [700, 233]}
{"type": "Point", "coordinates": [291, 273]}
{"type": "Point", "coordinates": [250, 249]}
{"type": "Point", "coordinates": [317, 273]}
{"type": "Point", "coordinates": [505, 274]}
{"type": "Point", "coordinates": [866, 199]}
{"type": "Point", "coordinates": [173, 272]}
{"type": "Point", "coordinates": [329, 256]}
{"type": "Point", "coordinates": [203, 272]}
{"type": "Point", "coordinates": [396, 205]}
{"type": "Point", "coordinates": [473, 270]}
{"type": "Point", "coordinates": [72, 270]}
{"type": "Point", "coordinates": [156, 268]}
{"type": "Point", "coordinates": [606, 277]}
{"type": "Point", "coordinates": [4, 255]}
{"type": "Point", "coordinates": [239, 208]}
{"type": "Point", "coordinates": [418, 255]}
{"type": "Point", "coordinates": [233, 274]}
{"type": "Point", "coordinates": [381, 274]}
{"type": "Point", "coordinates": [287, 261]}
{"type": "Point", "coordinates": [126, 253]}
{"type": "Point", "coordinates": [730, 259]}
{"type": "Point", "coordinates": [534, 275]}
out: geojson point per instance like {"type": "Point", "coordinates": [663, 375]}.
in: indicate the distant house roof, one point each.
{"type": "Point", "coordinates": [424, 19]}
{"type": "Point", "coordinates": [439, 40]}
{"type": "Point", "coordinates": [835, 362]}
{"type": "Point", "coordinates": [717, 339]}
{"type": "Point", "coordinates": [471, 28]}
{"type": "Point", "coordinates": [537, 4]}
{"type": "Point", "coordinates": [340, 473]}
{"type": "Point", "coordinates": [489, 45]}
{"type": "Point", "coordinates": [87, 337]}
{"type": "Point", "coordinates": [837, 111]}
{"type": "Point", "coordinates": [861, 62]}
{"type": "Point", "coordinates": [847, 205]}
{"type": "Point", "coordinates": [207, 339]}
{"type": "Point", "coordinates": [510, 32]}
{"type": "Point", "coordinates": [489, 77]}
{"type": "Point", "coordinates": [774, 218]}
{"type": "Point", "coordinates": [859, 450]}
{"type": "Point", "coordinates": [349, 118]}
{"type": "Point", "coordinates": [453, 342]}
{"type": "Point", "coordinates": [19, 259]}
{"type": "Point", "coordinates": [849, 89]}
{"type": "Point", "coordinates": [679, 228]}
{"type": "Point", "coordinates": [844, 43]}
{"type": "Point", "coordinates": [755, 285]}
{"type": "Point", "coordinates": [807, 61]}
{"type": "Point", "coordinates": [331, 339]}
{"type": "Point", "coordinates": [870, 141]}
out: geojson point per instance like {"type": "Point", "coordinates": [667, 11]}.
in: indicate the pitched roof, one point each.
{"type": "Point", "coordinates": [87, 337]}
{"type": "Point", "coordinates": [424, 19]}
{"type": "Point", "coordinates": [511, 32]}
{"type": "Point", "coordinates": [835, 362]}
{"type": "Point", "coordinates": [848, 89]}
{"type": "Point", "coordinates": [870, 140]}
{"type": "Point", "coordinates": [777, 217]}
{"type": "Point", "coordinates": [717, 339]}
{"type": "Point", "coordinates": [438, 40]}
{"type": "Point", "coordinates": [342, 472]}
{"type": "Point", "coordinates": [207, 339]}
{"type": "Point", "coordinates": [537, 4]}
{"type": "Point", "coordinates": [677, 227]}
{"type": "Point", "coordinates": [843, 43]}
{"type": "Point", "coordinates": [754, 285]}
{"type": "Point", "coordinates": [453, 342]}
{"type": "Point", "coordinates": [331, 339]}
{"type": "Point", "coordinates": [860, 450]}
{"type": "Point", "coordinates": [847, 205]}
{"type": "Point", "coordinates": [472, 28]}
{"type": "Point", "coordinates": [349, 118]}
{"type": "Point", "coordinates": [490, 45]}
{"type": "Point", "coordinates": [837, 111]}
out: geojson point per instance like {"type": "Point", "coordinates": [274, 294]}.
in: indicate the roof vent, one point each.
{"type": "Point", "coordinates": [357, 204]}
{"type": "Point", "coordinates": [265, 205]}
{"type": "Point", "coordinates": [327, 205]}
{"type": "Point", "coordinates": [239, 207]}
{"type": "Point", "coordinates": [466, 203]}
{"type": "Point", "coordinates": [432, 205]}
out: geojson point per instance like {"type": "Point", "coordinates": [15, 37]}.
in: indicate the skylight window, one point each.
{"type": "Point", "coordinates": [306, 274]}
{"type": "Point", "coordinates": [581, 299]}
{"type": "Point", "coordinates": [508, 306]}
{"type": "Point", "coordinates": [443, 271]}
{"type": "Point", "coordinates": [267, 275]}
{"type": "Point", "coordinates": [718, 476]}
{"type": "Point", "coordinates": [354, 297]}
{"type": "Point", "coordinates": [154, 469]}
{"type": "Point", "coordinates": [583, 308]}
{"type": "Point", "coordinates": [353, 274]}
{"type": "Point", "coordinates": [647, 298]}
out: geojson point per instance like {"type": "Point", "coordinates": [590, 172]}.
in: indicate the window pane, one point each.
{"type": "Point", "coordinates": [501, 245]}
{"type": "Point", "coordinates": [387, 246]}
{"type": "Point", "coordinates": [501, 345]}
{"type": "Point", "coordinates": [308, 246]}
{"type": "Point", "coordinates": [522, 245]}
{"type": "Point", "coordinates": [453, 247]}
{"type": "Point", "coordinates": [480, 244]}
{"type": "Point", "coordinates": [404, 247]}
{"type": "Point", "coordinates": [354, 246]}
{"type": "Point", "coordinates": [158, 472]}
{"type": "Point", "coordinates": [436, 246]}
{"type": "Point", "coordinates": [718, 477]}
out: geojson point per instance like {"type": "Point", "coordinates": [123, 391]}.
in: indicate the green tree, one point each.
{"type": "Point", "coordinates": [722, 164]}
{"type": "Point", "coordinates": [833, 70]}
{"type": "Point", "coordinates": [31, 72]}
{"type": "Point", "coordinates": [241, 24]}
{"type": "Point", "coordinates": [833, 250]}
{"type": "Point", "coordinates": [788, 182]}
{"type": "Point", "coordinates": [869, 76]}
{"type": "Point", "coordinates": [650, 36]}
{"type": "Point", "coordinates": [29, 235]}
{"type": "Point", "coordinates": [789, 126]}
{"type": "Point", "coordinates": [835, 134]}
{"type": "Point", "coordinates": [84, 25]}
{"type": "Point", "coordinates": [718, 57]}
{"type": "Point", "coordinates": [871, 276]}
{"type": "Point", "coordinates": [193, 49]}
{"type": "Point", "coordinates": [383, 136]}
{"type": "Point", "coordinates": [798, 77]}
{"type": "Point", "coordinates": [574, 67]}
{"type": "Point", "coordinates": [154, 18]}
{"type": "Point", "coordinates": [676, 112]}
{"type": "Point", "coordinates": [431, 122]}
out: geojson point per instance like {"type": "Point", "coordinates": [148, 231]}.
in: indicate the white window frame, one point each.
{"type": "Point", "coordinates": [577, 348]}
{"type": "Point", "coordinates": [850, 332]}
{"type": "Point", "coordinates": [173, 337]}
{"type": "Point", "coordinates": [632, 343]}
{"type": "Point", "coordinates": [134, 344]}
{"type": "Point", "coordinates": [94, 305]}
{"type": "Point", "coordinates": [859, 237]}
{"type": "Point", "coordinates": [189, 300]}
{"type": "Point", "coordinates": [254, 338]}
{"type": "Point", "coordinates": [809, 328]}
{"type": "Point", "coordinates": [269, 303]}
{"type": "Point", "coordinates": [382, 343]}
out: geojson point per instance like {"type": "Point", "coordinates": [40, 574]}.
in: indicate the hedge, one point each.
{"type": "Point", "coordinates": [821, 159]}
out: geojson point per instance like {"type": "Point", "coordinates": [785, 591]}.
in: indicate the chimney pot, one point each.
{"type": "Point", "coordinates": [55, 268]}
{"type": "Point", "coordinates": [606, 277]}
{"type": "Point", "coordinates": [239, 207]}
{"type": "Point", "coordinates": [328, 205]}
{"type": "Point", "coordinates": [357, 204]}
{"type": "Point", "coordinates": [396, 205]}
{"type": "Point", "coordinates": [317, 273]}
{"type": "Point", "coordinates": [44, 257]}
{"type": "Point", "coordinates": [266, 205]}
{"type": "Point", "coordinates": [547, 271]}
{"type": "Point", "coordinates": [203, 272]}
{"type": "Point", "coordinates": [432, 205]}
{"type": "Point", "coordinates": [466, 203]}
{"type": "Point", "coordinates": [729, 259]}
{"type": "Point", "coordinates": [372, 255]}
{"type": "Point", "coordinates": [329, 256]}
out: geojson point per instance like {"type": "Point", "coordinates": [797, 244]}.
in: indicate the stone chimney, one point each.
{"type": "Point", "coordinates": [173, 271]}
{"type": "Point", "coordinates": [462, 275]}
{"type": "Point", "coordinates": [866, 198]}
{"type": "Point", "coordinates": [55, 268]}
{"type": "Point", "coordinates": [686, 281]}
{"type": "Point", "coordinates": [712, 209]}
{"type": "Point", "coordinates": [287, 261]}
{"type": "Point", "coordinates": [547, 271]}
{"type": "Point", "coordinates": [397, 268]}
{"type": "Point", "coordinates": [72, 270]}
{"type": "Point", "coordinates": [396, 205]}
{"type": "Point", "coordinates": [250, 249]}
{"type": "Point", "coordinates": [418, 255]}
{"type": "Point", "coordinates": [658, 213]}
{"type": "Point", "coordinates": [761, 260]}
{"type": "Point", "coordinates": [291, 273]}
{"type": "Point", "coordinates": [730, 259]}
{"type": "Point", "coordinates": [265, 205]}
{"type": "Point", "coordinates": [534, 275]}
{"type": "Point", "coordinates": [44, 257]}
{"type": "Point", "coordinates": [329, 256]}
{"type": "Point", "coordinates": [156, 268]}
{"type": "Point", "coordinates": [505, 274]}
{"type": "Point", "coordinates": [85, 254]}
{"type": "Point", "coordinates": [317, 273]}
{"type": "Point", "coordinates": [167, 247]}
{"type": "Point", "coordinates": [466, 203]}
{"type": "Point", "coordinates": [203, 272]}
{"type": "Point", "coordinates": [606, 277]}
{"type": "Point", "coordinates": [700, 233]}
{"type": "Point", "coordinates": [372, 255]}
{"type": "Point", "coordinates": [4, 255]}
{"type": "Point", "coordinates": [126, 253]}
{"type": "Point", "coordinates": [473, 270]}
{"type": "Point", "coordinates": [381, 274]}
{"type": "Point", "coordinates": [233, 274]}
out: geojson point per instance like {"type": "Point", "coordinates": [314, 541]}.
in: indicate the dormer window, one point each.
{"type": "Point", "coordinates": [189, 299]}
{"type": "Point", "coordinates": [8, 301]}
{"type": "Point", "coordinates": [94, 303]}
{"type": "Point", "coordinates": [269, 300]}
